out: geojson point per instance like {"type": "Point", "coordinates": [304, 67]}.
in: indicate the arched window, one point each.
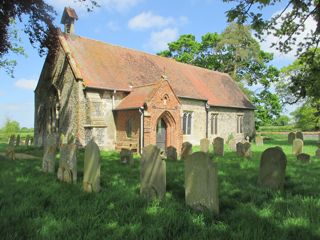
{"type": "Point", "coordinates": [240, 124]}
{"type": "Point", "coordinates": [214, 123]}
{"type": "Point", "coordinates": [187, 123]}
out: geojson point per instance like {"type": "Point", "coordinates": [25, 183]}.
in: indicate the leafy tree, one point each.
{"type": "Point", "coordinates": [10, 127]}
{"type": "Point", "coordinates": [307, 117]}
{"type": "Point", "coordinates": [282, 120]}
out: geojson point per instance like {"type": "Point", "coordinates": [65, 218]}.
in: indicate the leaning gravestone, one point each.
{"type": "Point", "coordinates": [297, 146]}
{"type": "Point", "coordinates": [67, 171]}
{"type": "Point", "coordinates": [239, 148]}
{"type": "Point", "coordinates": [126, 156]}
{"type": "Point", "coordinates": [201, 182]}
{"type": "Point", "coordinates": [152, 173]}
{"type": "Point", "coordinates": [18, 140]}
{"type": "Point", "coordinates": [91, 171]}
{"type": "Point", "coordinates": [246, 147]}
{"type": "Point", "coordinates": [259, 140]}
{"type": "Point", "coordinates": [172, 153]}
{"type": "Point", "coordinates": [204, 145]}
{"type": "Point", "coordinates": [186, 150]}
{"type": "Point", "coordinates": [273, 164]}
{"type": "Point", "coordinates": [218, 146]}
{"type": "Point", "coordinates": [303, 157]}
{"type": "Point", "coordinates": [291, 137]}
{"type": "Point", "coordinates": [318, 153]}
{"type": "Point", "coordinates": [299, 135]}
{"type": "Point", "coordinates": [49, 157]}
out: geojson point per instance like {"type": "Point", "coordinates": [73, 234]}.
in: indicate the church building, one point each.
{"type": "Point", "coordinates": [129, 99]}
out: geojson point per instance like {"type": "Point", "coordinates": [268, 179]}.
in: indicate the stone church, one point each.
{"type": "Point", "coordinates": [127, 98]}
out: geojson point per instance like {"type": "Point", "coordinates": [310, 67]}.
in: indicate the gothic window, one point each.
{"type": "Point", "coordinates": [187, 123]}
{"type": "Point", "coordinates": [97, 109]}
{"type": "Point", "coordinates": [129, 128]}
{"type": "Point", "coordinates": [214, 123]}
{"type": "Point", "coordinates": [240, 124]}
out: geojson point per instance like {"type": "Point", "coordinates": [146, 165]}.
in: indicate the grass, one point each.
{"type": "Point", "coordinates": [34, 205]}
{"type": "Point", "coordinates": [286, 128]}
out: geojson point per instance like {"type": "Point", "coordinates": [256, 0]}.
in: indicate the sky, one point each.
{"type": "Point", "coordinates": [145, 25]}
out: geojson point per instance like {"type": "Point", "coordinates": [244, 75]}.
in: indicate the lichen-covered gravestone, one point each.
{"type": "Point", "coordinates": [172, 153]}
{"type": "Point", "coordinates": [247, 150]}
{"type": "Point", "coordinates": [186, 150]}
{"type": "Point", "coordinates": [303, 157]}
{"type": "Point", "coordinates": [126, 156]}
{"type": "Point", "coordinates": [49, 157]}
{"type": "Point", "coordinates": [299, 135]}
{"type": "Point", "coordinates": [259, 140]}
{"type": "Point", "coordinates": [233, 144]}
{"type": "Point", "coordinates": [273, 164]}
{"type": "Point", "coordinates": [218, 146]}
{"type": "Point", "coordinates": [318, 153]}
{"type": "Point", "coordinates": [67, 171]}
{"type": "Point", "coordinates": [297, 146]}
{"type": "Point", "coordinates": [204, 145]}
{"type": "Point", "coordinates": [291, 137]}
{"type": "Point", "coordinates": [152, 173]}
{"type": "Point", "coordinates": [239, 147]}
{"type": "Point", "coordinates": [201, 182]}
{"type": "Point", "coordinates": [18, 140]}
{"type": "Point", "coordinates": [91, 171]}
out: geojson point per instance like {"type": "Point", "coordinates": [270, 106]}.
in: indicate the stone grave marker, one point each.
{"type": "Point", "coordinates": [12, 140]}
{"type": "Point", "coordinates": [186, 150]}
{"type": "Point", "coordinates": [67, 171]}
{"type": "Point", "coordinates": [204, 145]}
{"type": "Point", "coordinates": [291, 137]}
{"type": "Point", "coordinates": [259, 140]}
{"type": "Point", "coordinates": [201, 182]}
{"type": "Point", "coordinates": [126, 156]}
{"type": "Point", "coordinates": [91, 170]}
{"type": "Point", "coordinates": [318, 153]}
{"type": "Point", "coordinates": [246, 147]}
{"type": "Point", "coordinates": [239, 148]}
{"type": "Point", "coordinates": [303, 157]}
{"type": "Point", "coordinates": [172, 153]}
{"type": "Point", "coordinates": [218, 146]}
{"type": "Point", "coordinates": [49, 157]}
{"type": "Point", "coordinates": [233, 144]}
{"type": "Point", "coordinates": [27, 141]}
{"type": "Point", "coordinates": [297, 146]}
{"type": "Point", "coordinates": [152, 173]}
{"type": "Point", "coordinates": [10, 152]}
{"type": "Point", "coordinates": [273, 164]}
{"type": "Point", "coordinates": [18, 140]}
{"type": "Point", "coordinates": [299, 135]}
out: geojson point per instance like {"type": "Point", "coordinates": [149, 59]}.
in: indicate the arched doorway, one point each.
{"type": "Point", "coordinates": [161, 138]}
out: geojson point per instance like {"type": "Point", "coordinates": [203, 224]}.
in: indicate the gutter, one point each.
{"type": "Point", "coordinates": [141, 111]}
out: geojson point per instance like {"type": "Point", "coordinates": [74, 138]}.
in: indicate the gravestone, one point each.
{"type": "Point", "coordinates": [91, 170]}
{"type": "Point", "coordinates": [273, 164]}
{"type": "Point", "coordinates": [10, 152]}
{"type": "Point", "coordinates": [247, 139]}
{"type": "Point", "coordinates": [67, 171]}
{"type": "Point", "coordinates": [299, 135]}
{"type": "Point", "coordinates": [259, 140]}
{"type": "Point", "coordinates": [239, 148]}
{"type": "Point", "coordinates": [318, 153]}
{"type": "Point", "coordinates": [246, 147]}
{"type": "Point", "coordinates": [18, 140]}
{"type": "Point", "coordinates": [201, 182]}
{"type": "Point", "coordinates": [297, 146]}
{"type": "Point", "coordinates": [233, 144]}
{"type": "Point", "coordinates": [152, 173]}
{"type": "Point", "coordinates": [303, 157]}
{"type": "Point", "coordinates": [172, 153]}
{"type": "Point", "coordinates": [218, 146]}
{"type": "Point", "coordinates": [126, 156]}
{"type": "Point", "coordinates": [186, 150]}
{"type": "Point", "coordinates": [27, 141]}
{"type": "Point", "coordinates": [12, 140]}
{"type": "Point", "coordinates": [291, 137]}
{"type": "Point", "coordinates": [204, 145]}
{"type": "Point", "coordinates": [49, 157]}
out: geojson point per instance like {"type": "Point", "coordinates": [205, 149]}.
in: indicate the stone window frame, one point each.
{"type": "Point", "coordinates": [240, 123]}
{"type": "Point", "coordinates": [214, 123]}
{"type": "Point", "coordinates": [187, 122]}
{"type": "Point", "coordinates": [129, 124]}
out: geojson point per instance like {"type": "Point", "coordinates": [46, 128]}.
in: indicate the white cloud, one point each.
{"type": "Point", "coordinates": [29, 84]}
{"type": "Point", "coordinates": [159, 40]}
{"type": "Point", "coordinates": [147, 20]}
{"type": "Point", "coordinates": [113, 26]}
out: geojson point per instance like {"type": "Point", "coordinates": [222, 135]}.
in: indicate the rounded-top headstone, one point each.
{"type": "Point", "coordinates": [297, 146]}
{"type": "Point", "coordinates": [299, 135]}
{"type": "Point", "coordinates": [91, 176]}
{"type": "Point", "coordinates": [218, 146]}
{"type": "Point", "coordinates": [186, 150]}
{"type": "Point", "coordinates": [291, 137]}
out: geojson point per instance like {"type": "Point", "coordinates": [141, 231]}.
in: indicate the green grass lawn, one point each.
{"type": "Point", "coordinates": [34, 205]}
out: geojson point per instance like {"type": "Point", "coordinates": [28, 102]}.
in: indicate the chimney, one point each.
{"type": "Point", "coordinates": [68, 17]}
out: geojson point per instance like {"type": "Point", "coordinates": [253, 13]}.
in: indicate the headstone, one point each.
{"type": "Point", "coordinates": [18, 140]}
{"type": "Point", "coordinates": [291, 137]}
{"type": "Point", "coordinates": [91, 171]}
{"type": "Point", "coordinates": [27, 141]}
{"type": "Point", "coordinates": [186, 150]}
{"type": "Point", "coordinates": [318, 153]}
{"type": "Point", "coordinates": [49, 157]}
{"type": "Point", "coordinates": [204, 145]}
{"type": "Point", "coordinates": [247, 150]}
{"type": "Point", "coordinates": [201, 182]}
{"type": "Point", "coordinates": [67, 171]}
{"type": "Point", "coordinates": [126, 156]}
{"type": "Point", "coordinates": [218, 146]}
{"type": "Point", "coordinates": [152, 173]}
{"type": "Point", "coordinates": [247, 139]}
{"type": "Point", "coordinates": [233, 144]}
{"type": "Point", "coordinates": [259, 140]}
{"type": "Point", "coordinates": [303, 157]}
{"type": "Point", "coordinates": [172, 153]}
{"type": "Point", "coordinates": [12, 140]}
{"type": "Point", "coordinates": [273, 164]}
{"type": "Point", "coordinates": [299, 135]}
{"type": "Point", "coordinates": [10, 152]}
{"type": "Point", "coordinates": [239, 148]}
{"type": "Point", "coordinates": [297, 146]}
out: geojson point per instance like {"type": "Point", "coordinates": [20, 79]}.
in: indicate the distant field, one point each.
{"type": "Point", "coordinates": [23, 134]}
{"type": "Point", "coordinates": [34, 205]}
{"type": "Point", "coordinates": [287, 128]}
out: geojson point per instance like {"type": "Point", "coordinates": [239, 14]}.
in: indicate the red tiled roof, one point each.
{"type": "Point", "coordinates": [107, 66]}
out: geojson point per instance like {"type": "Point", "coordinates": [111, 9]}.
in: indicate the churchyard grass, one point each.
{"type": "Point", "coordinates": [35, 205]}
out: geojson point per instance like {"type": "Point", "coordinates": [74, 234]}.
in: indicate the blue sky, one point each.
{"type": "Point", "coordinates": [144, 25]}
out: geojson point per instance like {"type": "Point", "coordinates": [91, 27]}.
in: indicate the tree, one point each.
{"type": "Point", "coordinates": [10, 127]}
{"type": "Point", "coordinates": [307, 117]}
{"type": "Point", "coordinates": [282, 120]}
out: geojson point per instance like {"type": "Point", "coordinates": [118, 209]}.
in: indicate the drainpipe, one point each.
{"type": "Point", "coordinates": [141, 111]}
{"type": "Point", "coordinates": [207, 117]}
{"type": "Point", "coordinates": [114, 92]}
